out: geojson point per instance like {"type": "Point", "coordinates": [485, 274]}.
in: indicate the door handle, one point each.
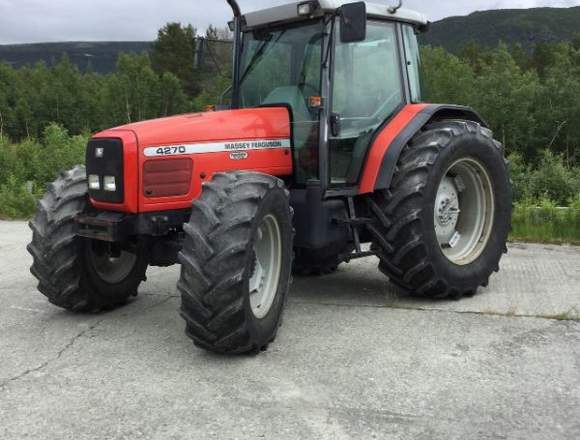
{"type": "Point", "coordinates": [335, 125]}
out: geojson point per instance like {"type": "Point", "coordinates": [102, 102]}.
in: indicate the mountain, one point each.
{"type": "Point", "coordinates": [527, 27]}
{"type": "Point", "coordinates": [100, 57]}
{"type": "Point", "coordinates": [524, 26]}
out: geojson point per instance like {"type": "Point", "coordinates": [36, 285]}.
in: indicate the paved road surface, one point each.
{"type": "Point", "coordinates": [355, 360]}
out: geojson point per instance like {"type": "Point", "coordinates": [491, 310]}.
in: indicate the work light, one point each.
{"type": "Point", "coordinates": [306, 8]}
{"type": "Point", "coordinates": [109, 184]}
{"type": "Point", "coordinates": [94, 182]}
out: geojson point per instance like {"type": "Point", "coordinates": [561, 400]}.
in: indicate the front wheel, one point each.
{"type": "Point", "coordinates": [444, 223]}
{"type": "Point", "coordinates": [236, 263]}
{"type": "Point", "coordinates": [75, 273]}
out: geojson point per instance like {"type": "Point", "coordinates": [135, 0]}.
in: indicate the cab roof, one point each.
{"type": "Point", "coordinates": [289, 12]}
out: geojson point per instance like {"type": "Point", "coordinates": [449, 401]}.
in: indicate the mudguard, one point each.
{"type": "Point", "coordinates": [391, 138]}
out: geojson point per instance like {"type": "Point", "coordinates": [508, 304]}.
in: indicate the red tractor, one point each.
{"type": "Point", "coordinates": [326, 154]}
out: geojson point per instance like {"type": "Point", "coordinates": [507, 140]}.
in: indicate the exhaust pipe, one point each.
{"type": "Point", "coordinates": [237, 52]}
{"type": "Point", "coordinates": [235, 7]}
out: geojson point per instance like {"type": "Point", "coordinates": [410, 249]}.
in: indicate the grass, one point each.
{"type": "Point", "coordinates": [546, 224]}
{"type": "Point", "coordinates": [571, 315]}
{"type": "Point", "coordinates": [27, 166]}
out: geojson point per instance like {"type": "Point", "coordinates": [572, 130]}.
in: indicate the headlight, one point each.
{"type": "Point", "coordinates": [94, 182]}
{"type": "Point", "coordinates": [109, 184]}
{"type": "Point", "coordinates": [306, 8]}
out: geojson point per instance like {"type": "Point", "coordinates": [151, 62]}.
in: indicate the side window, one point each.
{"type": "Point", "coordinates": [413, 56]}
{"type": "Point", "coordinates": [367, 90]}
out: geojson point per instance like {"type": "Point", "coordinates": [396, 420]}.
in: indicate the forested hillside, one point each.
{"type": "Point", "coordinates": [531, 100]}
{"type": "Point", "coordinates": [526, 27]}
{"type": "Point", "coordinates": [99, 57]}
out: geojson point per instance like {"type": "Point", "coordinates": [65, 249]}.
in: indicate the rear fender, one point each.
{"type": "Point", "coordinates": [392, 137]}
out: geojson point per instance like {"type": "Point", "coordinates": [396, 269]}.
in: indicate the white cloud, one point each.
{"type": "Point", "coordinates": [24, 21]}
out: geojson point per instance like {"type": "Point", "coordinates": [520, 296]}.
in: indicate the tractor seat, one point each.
{"type": "Point", "coordinates": [303, 123]}
{"type": "Point", "coordinates": [292, 96]}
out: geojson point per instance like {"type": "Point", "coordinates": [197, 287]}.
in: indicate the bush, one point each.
{"type": "Point", "coordinates": [553, 180]}
{"type": "Point", "coordinates": [520, 176]}
{"type": "Point", "coordinates": [575, 202]}
{"type": "Point", "coordinates": [38, 163]}
{"type": "Point", "coordinates": [15, 200]}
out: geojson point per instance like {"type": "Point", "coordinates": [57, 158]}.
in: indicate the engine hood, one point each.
{"type": "Point", "coordinates": [230, 125]}
{"type": "Point", "coordinates": [164, 162]}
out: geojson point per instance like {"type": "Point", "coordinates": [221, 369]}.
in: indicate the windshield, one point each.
{"type": "Point", "coordinates": [289, 58]}
{"type": "Point", "coordinates": [284, 67]}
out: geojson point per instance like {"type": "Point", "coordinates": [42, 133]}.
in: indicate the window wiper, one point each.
{"type": "Point", "coordinates": [259, 54]}
{"type": "Point", "coordinates": [330, 40]}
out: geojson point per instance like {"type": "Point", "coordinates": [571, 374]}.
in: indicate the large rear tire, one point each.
{"type": "Point", "coordinates": [314, 263]}
{"type": "Point", "coordinates": [236, 263]}
{"type": "Point", "coordinates": [442, 227]}
{"type": "Point", "coordinates": [74, 273]}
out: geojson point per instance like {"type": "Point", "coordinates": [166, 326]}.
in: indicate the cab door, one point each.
{"type": "Point", "coordinates": [367, 89]}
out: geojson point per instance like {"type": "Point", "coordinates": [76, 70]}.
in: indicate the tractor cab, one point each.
{"type": "Point", "coordinates": [342, 69]}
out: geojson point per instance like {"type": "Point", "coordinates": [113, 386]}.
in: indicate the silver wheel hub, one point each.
{"type": "Point", "coordinates": [111, 268]}
{"type": "Point", "coordinates": [447, 208]}
{"type": "Point", "coordinates": [464, 211]}
{"type": "Point", "coordinates": [267, 266]}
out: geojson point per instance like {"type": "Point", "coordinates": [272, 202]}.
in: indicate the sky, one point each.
{"type": "Point", "coordinates": [28, 21]}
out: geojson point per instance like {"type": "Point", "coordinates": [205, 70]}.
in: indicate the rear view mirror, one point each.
{"type": "Point", "coordinates": [353, 22]}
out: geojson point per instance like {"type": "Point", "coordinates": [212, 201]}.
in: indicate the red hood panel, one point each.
{"type": "Point", "coordinates": [257, 123]}
{"type": "Point", "coordinates": [199, 138]}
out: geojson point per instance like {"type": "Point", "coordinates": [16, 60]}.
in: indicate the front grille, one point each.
{"type": "Point", "coordinates": [110, 164]}
{"type": "Point", "coordinates": [167, 178]}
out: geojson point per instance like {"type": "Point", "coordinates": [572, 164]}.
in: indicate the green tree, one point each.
{"type": "Point", "coordinates": [506, 97]}
{"type": "Point", "coordinates": [521, 57]}
{"type": "Point", "coordinates": [173, 99]}
{"type": "Point", "coordinates": [173, 51]}
{"type": "Point", "coordinates": [447, 78]}
{"type": "Point", "coordinates": [558, 109]}
{"type": "Point", "coordinates": [553, 180]}
{"type": "Point", "coordinates": [473, 54]}
{"type": "Point", "coordinates": [576, 42]}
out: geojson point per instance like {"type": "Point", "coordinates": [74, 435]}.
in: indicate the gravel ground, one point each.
{"type": "Point", "coordinates": [355, 359]}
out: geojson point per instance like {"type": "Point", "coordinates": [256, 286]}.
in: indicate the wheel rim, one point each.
{"type": "Point", "coordinates": [266, 266]}
{"type": "Point", "coordinates": [464, 211]}
{"type": "Point", "coordinates": [111, 268]}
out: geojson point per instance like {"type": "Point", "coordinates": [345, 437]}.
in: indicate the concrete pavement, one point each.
{"type": "Point", "coordinates": [354, 359]}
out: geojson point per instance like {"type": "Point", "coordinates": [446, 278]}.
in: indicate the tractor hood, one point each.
{"type": "Point", "coordinates": [196, 128]}
{"type": "Point", "coordinates": [161, 165]}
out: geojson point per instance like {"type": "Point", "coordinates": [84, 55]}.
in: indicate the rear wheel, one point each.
{"type": "Point", "coordinates": [74, 273]}
{"type": "Point", "coordinates": [444, 223]}
{"type": "Point", "coordinates": [236, 263]}
{"type": "Point", "coordinates": [315, 263]}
